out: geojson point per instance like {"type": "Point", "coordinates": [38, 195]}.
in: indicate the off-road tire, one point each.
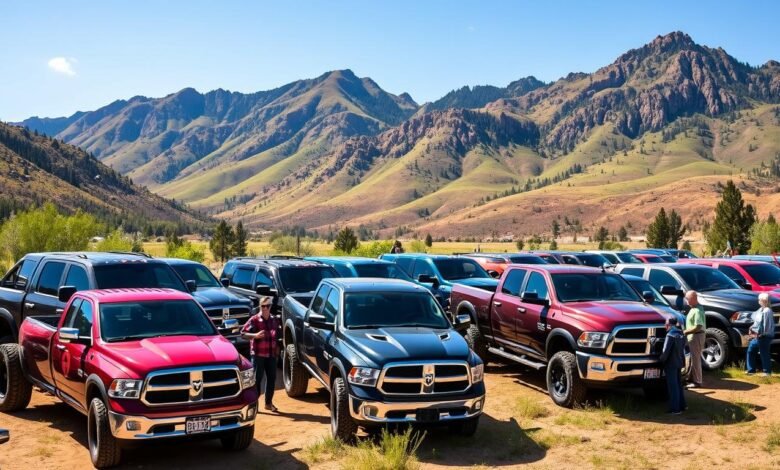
{"type": "Point", "coordinates": [342, 426]}
{"type": "Point", "coordinates": [104, 449]}
{"type": "Point", "coordinates": [467, 427]}
{"type": "Point", "coordinates": [718, 353]}
{"type": "Point", "coordinates": [563, 380]}
{"type": "Point", "coordinates": [295, 376]}
{"type": "Point", "coordinates": [15, 390]}
{"type": "Point", "coordinates": [477, 343]}
{"type": "Point", "coordinates": [239, 440]}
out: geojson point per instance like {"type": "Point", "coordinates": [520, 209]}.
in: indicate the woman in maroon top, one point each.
{"type": "Point", "coordinates": [261, 330]}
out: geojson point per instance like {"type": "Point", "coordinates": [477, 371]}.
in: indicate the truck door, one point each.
{"type": "Point", "coordinates": [533, 322]}
{"type": "Point", "coordinates": [309, 333]}
{"type": "Point", "coordinates": [322, 338]}
{"type": "Point", "coordinates": [13, 288]}
{"type": "Point", "coordinates": [68, 358]}
{"type": "Point", "coordinates": [505, 311]}
{"type": "Point", "coordinates": [42, 300]}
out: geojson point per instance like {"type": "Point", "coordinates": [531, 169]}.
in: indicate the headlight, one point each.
{"type": "Point", "coordinates": [593, 339]}
{"type": "Point", "coordinates": [363, 376]}
{"type": "Point", "coordinates": [125, 388]}
{"type": "Point", "coordinates": [247, 378]}
{"type": "Point", "coordinates": [477, 373]}
{"type": "Point", "coordinates": [742, 317]}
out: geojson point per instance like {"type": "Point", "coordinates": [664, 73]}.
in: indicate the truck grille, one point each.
{"type": "Point", "coordinates": [634, 340]}
{"type": "Point", "coordinates": [218, 315]}
{"type": "Point", "coordinates": [424, 378]}
{"type": "Point", "coordinates": [195, 385]}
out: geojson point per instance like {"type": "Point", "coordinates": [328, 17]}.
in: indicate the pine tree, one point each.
{"type": "Point", "coordinates": [658, 231]}
{"type": "Point", "coordinates": [222, 241]}
{"type": "Point", "coordinates": [602, 235]}
{"type": "Point", "coordinates": [519, 244]}
{"type": "Point", "coordinates": [622, 234]}
{"type": "Point", "coordinates": [676, 230]}
{"type": "Point", "coordinates": [239, 244]}
{"type": "Point", "coordinates": [346, 241]}
{"type": "Point", "coordinates": [556, 229]}
{"type": "Point", "coordinates": [428, 240]}
{"type": "Point", "coordinates": [733, 221]}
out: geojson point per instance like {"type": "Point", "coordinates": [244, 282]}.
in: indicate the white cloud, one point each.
{"type": "Point", "coordinates": [63, 65]}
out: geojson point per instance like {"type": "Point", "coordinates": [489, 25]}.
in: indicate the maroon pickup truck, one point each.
{"type": "Point", "coordinates": [141, 364]}
{"type": "Point", "coordinates": [585, 326]}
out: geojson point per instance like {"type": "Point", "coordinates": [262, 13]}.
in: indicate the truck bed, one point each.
{"type": "Point", "coordinates": [475, 295]}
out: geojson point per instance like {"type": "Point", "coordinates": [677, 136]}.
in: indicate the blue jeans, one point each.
{"type": "Point", "coordinates": [265, 366]}
{"type": "Point", "coordinates": [762, 346]}
{"type": "Point", "coordinates": [674, 388]}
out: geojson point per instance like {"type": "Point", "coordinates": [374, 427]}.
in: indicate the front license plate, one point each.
{"type": "Point", "coordinates": [427, 416]}
{"type": "Point", "coordinates": [198, 425]}
{"type": "Point", "coordinates": [652, 373]}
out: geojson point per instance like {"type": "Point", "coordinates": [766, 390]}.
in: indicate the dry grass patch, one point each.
{"type": "Point", "coordinates": [392, 452]}
{"type": "Point", "coordinates": [324, 449]}
{"type": "Point", "coordinates": [530, 408]}
{"type": "Point", "coordinates": [589, 417]}
{"type": "Point", "coordinates": [773, 438]}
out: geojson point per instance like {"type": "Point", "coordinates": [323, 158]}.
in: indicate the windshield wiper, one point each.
{"type": "Point", "coordinates": [418, 325]}
{"type": "Point", "coordinates": [365, 327]}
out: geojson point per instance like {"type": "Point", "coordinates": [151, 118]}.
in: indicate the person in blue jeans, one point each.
{"type": "Point", "coordinates": [673, 360]}
{"type": "Point", "coordinates": [762, 332]}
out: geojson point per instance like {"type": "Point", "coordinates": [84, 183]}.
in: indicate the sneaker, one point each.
{"type": "Point", "coordinates": [691, 385]}
{"type": "Point", "coordinates": [764, 374]}
{"type": "Point", "coordinates": [750, 372]}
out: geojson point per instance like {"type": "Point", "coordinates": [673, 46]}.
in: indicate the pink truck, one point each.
{"type": "Point", "coordinates": [141, 364]}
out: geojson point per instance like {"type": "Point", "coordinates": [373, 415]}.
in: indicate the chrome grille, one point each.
{"type": "Point", "coordinates": [634, 340]}
{"type": "Point", "coordinates": [219, 315]}
{"type": "Point", "coordinates": [423, 378]}
{"type": "Point", "coordinates": [191, 385]}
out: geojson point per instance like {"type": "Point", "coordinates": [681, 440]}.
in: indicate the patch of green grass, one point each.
{"type": "Point", "coordinates": [394, 451]}
{"type": "Point", "coordinates": [530, 408]}
{"type": "Point", "coordinates": [589, 417]}
{"type": "Point", "coordinates": [547, 439]}
{"type": "Point", "coordinates": [326, 448]}
{"type": "Point", "coordinates": [773, 438]}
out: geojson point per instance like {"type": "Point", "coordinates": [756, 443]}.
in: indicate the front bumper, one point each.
{"type": "Point", "coordinates": [600, 368]}
{"type": "Point", "coordinates": [409, 412]}
{"type": "Point", "coordinates": [140, 427]}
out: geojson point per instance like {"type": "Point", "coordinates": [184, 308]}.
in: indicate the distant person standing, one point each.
{"type": "Point", "coordinates": [262, 329]}
{"type": "Point", "coordinates": [695, 327]}
{"type": "Point", "coordinates": [762, 332]}
{"type": "Point", "coordinates": [397, 247]}
{"type": "Point", "coordinates": [673, 360]}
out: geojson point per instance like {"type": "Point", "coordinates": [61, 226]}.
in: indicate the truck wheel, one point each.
{"type": "Point", "coordinates": [103, 446]}
{"type": "Point", "coordinates": [342, 426]}
{"type": "Point", "coordinates": [716, 350]}
{"type": "Point", "coordinates": [15, 390]}
{"type": "Point", "coordinates": [296, 378]}
{"type": "Point", "coordinates": [239, 440]}
{"type": "Point", "coordinates": [467, 427]}
{"type": "Point", "coordinates": [477, 343]}
{"type": "Point", "coordinates": [563, 381]}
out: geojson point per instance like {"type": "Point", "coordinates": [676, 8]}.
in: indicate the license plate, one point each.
{"type": "Point", "coordinates": [652, 373]}
{"type": "Point", "coordinates": [427, 416]}
{"type": "Point", "coordinates": [198, 425]}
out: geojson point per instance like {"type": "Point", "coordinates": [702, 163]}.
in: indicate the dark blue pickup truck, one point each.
{"type": "Point", "coordinates": [386, 352]}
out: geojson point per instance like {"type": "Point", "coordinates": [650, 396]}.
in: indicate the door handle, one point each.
{"type": "Point", "coordinates": [521, 309]}
{"type": "Point", "coordinates": [61, 347]}
{"type": "Point", "coordinates": [29, 305]}
{"type": "Point", "coordinates": [497, 304]}
{"type": "Point", "coordinates": [59, 311]}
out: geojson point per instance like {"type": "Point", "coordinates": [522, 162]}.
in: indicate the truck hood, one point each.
{"type": "Point", "coordinates": [384, 345]}
{"type": "Point", "coordinates": [732, 299]}
{"type": "Point", "coordinates": [218, 297]}
{"type": "Point", "coordinates": [605, 315]}
{"type": "Point", "coordinates": [170, 352]}
{"type": "Point", "coordinates": [481, 282]}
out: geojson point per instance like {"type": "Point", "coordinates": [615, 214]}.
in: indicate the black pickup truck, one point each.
{"type": "Point", "coordinates": [387, 353]}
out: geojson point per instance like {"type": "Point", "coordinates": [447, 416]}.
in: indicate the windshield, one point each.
{"type": "Point", "coordinates": [652, 259]}
{"type": "Point", "coordinates": [668, 258]}
{"type": "Point", "coordinates": [765, 274]}
{"type": "Point", "coordinates": [706, 279]}
{"type": "Point", "coordinates": [628, 258]}
{"type": "Point", "coordinates": [137, 275]}
{"type": "Point", "coordinates": [611, 257]}
{"type": "Point", "coordinates": [583, 287]}
{"type": "Point", "coordinates": [642, 285]}
{"type": "Point", "coordinates": [549, 259]}
{"type": "Point", "coordinates": [591, 259]}
{"type": "Point", "coordinates": [392, 309]}
{"type": "Point", "coordinates": [198, 273]}
{"type": "Point", "coordinates": [459, 268]}
{"type": "Point", "coordinates": [527, 260]}
{"type": "Point", "coordinates": [387, 271]}
{"type": "Point", "coordinates": [128, 321]}
{"type": "Point", "coordinates": [304, 279]}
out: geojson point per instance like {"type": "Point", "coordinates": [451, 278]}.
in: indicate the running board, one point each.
{"type": "Point", "coordinates": [521, 359]}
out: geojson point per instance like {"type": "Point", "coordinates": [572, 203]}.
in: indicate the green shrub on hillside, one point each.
{"type": "Point", "coordinates": [186, 251]}
{"type": "Point", "coordinates": [115, 241]}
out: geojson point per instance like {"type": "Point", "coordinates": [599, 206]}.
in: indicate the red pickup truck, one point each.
{"type": "Point", "coordinates": [141, 364]}
{"type": "Point", "coordinates": [585, 326]}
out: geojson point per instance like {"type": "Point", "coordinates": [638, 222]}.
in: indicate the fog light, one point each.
{"type": "Point", "coordinates": [133, 426]}
{"type": "Point", "coordinates": [250, 413]}
{"type": "Point", "coordinates": [599, 366]}
{"type": "Point", "coordinates": [478, 405]}
{"type": "Point", "coordinates": [370, 410]}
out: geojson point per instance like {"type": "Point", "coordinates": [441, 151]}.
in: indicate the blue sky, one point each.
{"type": "Point", "coordinates": [60, 57]}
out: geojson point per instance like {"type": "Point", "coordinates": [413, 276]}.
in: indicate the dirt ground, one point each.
{"type": "Point", "coordinates": [733, 423]}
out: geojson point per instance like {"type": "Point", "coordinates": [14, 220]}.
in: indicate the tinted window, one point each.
{"type": "Point", "coordinates": [527, 260]}
{"type": "Point", "coordinates": [343, 270]}
{"type": "Point", "coordinates": [611, 257]}
{"type": "Point", "coordinates": [198, 273]}
{"type": "Point", "coordinates": [459, 268]}
{"type": "Point", "coordinates": [764, 274]}
{"type": "Point", "coordinates": [71, 313]}
{"type": "Point", "coordinates": [49, 283]}
{"type": "Point", "coordinates": [592, 260]}
{"type": "Point", "coordinates": [228, 270]}
{"type": "Point", "coordinates": [392, 309]}
{"type": "Point", "coordinates": [706, 279]}
{"type": "Point", "coordinates": [264, 278]}
{"type": "Point", "coordinates": [633, 271]}
{"type": "Point", "coordinates": [549, 259]}
{"type": "Point", "coordinates": [304, 279]}
{"type": "Point", "coordinates": [17, 277]}
{"type": "Point", "coordinates": [421, 266]}
{"type": "Point", "coordinates": [77, 277]}
{"type": "Point", "coordinates": [405, 264]}
{"type": "Point", "coordinates": [628, 258]}
{"type": "Point", "coordinates": [568, 259]}
{"type": "Point", "coordinates": [513, 282]}
{"type": "Point", "coordinates": [668, 258]}
{"type": "Point", "coordinates": [319, 299]}
{"type": "Point", "coordinates": [331, 307]}
{"type": "Point", "coordinates": [582, 287]}
{"type": "Point", "coordinates": [137, 275]}
{"type": "Point", "coordinates": [652, 259]}
{"type": "Point", "coordinates": [83, 320]}
{"type": "Point", "coordinates": [127, 321]}
{"type": "Point", "coordinates": [242, 278]}
{"type": "Point", "coordinates": [387, 271]}
{"type": "Point", "coordinates": [660, 278]}
{"type": "Point", "coordinates": [536, 283]}
{"type": "Point", "coordinates": [732, 273]}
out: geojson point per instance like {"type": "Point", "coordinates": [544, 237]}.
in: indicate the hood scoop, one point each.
{"type": "Point", "coordinates": [444, 336]}
{"type": "Point", "coordinates": [378, 337]}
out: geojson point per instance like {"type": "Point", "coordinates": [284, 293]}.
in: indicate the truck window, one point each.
{"type": "Point", "coordinates": [263, 278]}
{"type": "Point", "coordinates": [71, 313]}
{"type": "Point", "coordinates": [137, 275]}
{"type": "Point", "coordinates": [319, 299]}
{"type": "Point", "coordinates": [536, 283]}
{"type": "Point", "coordinates": [242, 278]}
{"type": "Point", "coordinates": [77, 277]}
{"type": "Point", "coordinates": [344, 271]}
{"type": "Point", "coordinates": [732, 273]}
{"type": "Point", "coordinates": [18, 277]}
{"type": "Point", "coordinates": [82, 321]}
{"type": "Point", "coordinates": [568, 259]}
{"type": "Point", "coordinates": [304, 279]}
{"type": "Point", "coordinates": [633, 271]}
{"type": "Point", "coordinates": [49, 283]}
{"type": "Point", "coordinates": [421, 266]}
{"type": "Point", "coordinates": [660, 278]}
{"type": "Point", "coordinates": [405, 264]}
{"type": "Point", "coordinates": [513, 282]}
{"type": "Point", "coordinates": [228, 270]}
{"type": "Point", "coordinates": [331, 307]}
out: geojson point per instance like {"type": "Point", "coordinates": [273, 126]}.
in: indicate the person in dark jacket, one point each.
{"type": "Point", "coordinates": [673, 360]}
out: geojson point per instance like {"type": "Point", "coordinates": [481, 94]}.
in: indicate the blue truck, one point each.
{"type": "Point", "coordinates": [386, 352]}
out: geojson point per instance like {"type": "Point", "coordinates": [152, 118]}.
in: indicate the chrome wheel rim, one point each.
{"type": "Point", "coordinates": [712, 352]}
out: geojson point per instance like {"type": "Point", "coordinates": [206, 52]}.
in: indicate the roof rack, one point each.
{"type": "Point", "coordinates": [145, 255]}
{"type": "Point", "coordinates": [71, 253]}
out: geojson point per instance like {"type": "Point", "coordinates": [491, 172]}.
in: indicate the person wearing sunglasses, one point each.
{"type": "Point", "coordinates": [261, 329]}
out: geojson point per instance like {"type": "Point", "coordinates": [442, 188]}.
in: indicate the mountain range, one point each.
{"type": "Point", "coordinates": [668, 118]}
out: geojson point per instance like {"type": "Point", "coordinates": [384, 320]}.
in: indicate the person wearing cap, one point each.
{"type": "Point", "coordinates": [261, 329]}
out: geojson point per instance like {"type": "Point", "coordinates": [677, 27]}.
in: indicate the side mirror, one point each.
{"type": "Point", "coordinates": [648, 296]}
{"type": "Point", "coordinates": [192, 286]}
{"type": "Point", "coordinates": [533, 298]}
{"type": "Point", "coordinates": [265, 290]}
{"type": "Point", "coordinates": [4, 436]}
{"type": "Point", "coordinates": [428, 279]}
{"type": "Point", "coordinates": [462, 322]}
{"type": "Point", "coordinates": [225, 282]}
{"type": "Point", "coordinates": [671, 290]}
{"type": "Point", "coordinates": [746, 285]}
{"type": "Point", "coordinates": [494, 274]}
{"type": "Point", "coordinates": [64, 293]}
{"type": "Point", "coordinates": [69, 334]}
{"type": "Point", "coordinates": [319, 321]}
{"type": "Point", "coordinates": [230, 325]}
